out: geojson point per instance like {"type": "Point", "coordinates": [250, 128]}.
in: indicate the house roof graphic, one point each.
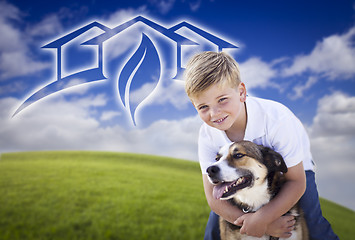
{"type": "Point", "coordinates": [96, 73]}
{"type": "Point", "coordinates": [220, 43]}
{"type": "Point", "coordinates": [213, 39]}
{"type": "Point", "coordinates": [90, 75]}
{"type": "Point", "coordinates": [67, 38]}
{"type": "Point", "coordinates": [165, 31]}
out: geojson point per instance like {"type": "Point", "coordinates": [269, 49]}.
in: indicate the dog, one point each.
{"type": "Point", "coordinates": [249, 176]}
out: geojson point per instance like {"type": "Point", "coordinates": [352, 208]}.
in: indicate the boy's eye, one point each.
{"type": "Point", "coordinates": [202, 107]}
{"type": "Point", "coordinates": [222, 99]}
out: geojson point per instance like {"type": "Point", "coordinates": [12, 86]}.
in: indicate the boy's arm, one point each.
{"type": "Point", "coordinates": [256, 224]}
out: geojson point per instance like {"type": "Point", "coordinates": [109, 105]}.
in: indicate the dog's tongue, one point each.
{"type": "Point", "coordinates": [218, 190]}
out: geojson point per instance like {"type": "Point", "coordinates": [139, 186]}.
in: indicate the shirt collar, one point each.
{"type": "Point", "coordinates": [255, 120]}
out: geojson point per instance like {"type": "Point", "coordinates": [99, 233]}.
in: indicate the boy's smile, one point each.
{"type": "Point", "coordinates": [222, 107]}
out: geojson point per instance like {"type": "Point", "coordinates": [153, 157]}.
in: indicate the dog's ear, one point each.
{"type": "Point", "coordinates": [273, 160]}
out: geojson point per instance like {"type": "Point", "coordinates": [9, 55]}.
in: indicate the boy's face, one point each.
{"type": "Point", "coordinates": [221, 107]}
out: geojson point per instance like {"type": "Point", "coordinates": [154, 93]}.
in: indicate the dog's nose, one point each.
{"type": "Point", "coordinates": [213, 171]}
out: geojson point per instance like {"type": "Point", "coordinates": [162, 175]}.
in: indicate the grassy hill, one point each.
{"type": "Point", "coordinates": [95, 195]}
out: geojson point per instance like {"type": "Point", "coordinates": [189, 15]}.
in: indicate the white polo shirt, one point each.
{"type": "Point", "coordinates": [270, 124]}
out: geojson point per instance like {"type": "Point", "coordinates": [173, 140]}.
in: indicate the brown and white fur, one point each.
{"type": "Point", "coordinates": [249, 176]}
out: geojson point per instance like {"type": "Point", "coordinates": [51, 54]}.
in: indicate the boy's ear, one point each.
{"type": "Point", "coordinates": [273, 160]}
{"type": "Point", "coordinates": [242, 91]}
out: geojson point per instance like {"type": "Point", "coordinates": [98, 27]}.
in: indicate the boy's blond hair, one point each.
{"type": "Point", "coordinates": [208, 68]}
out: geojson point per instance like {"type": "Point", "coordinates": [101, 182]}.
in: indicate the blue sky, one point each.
{"type": "Point", "coordinates": [300, 53]}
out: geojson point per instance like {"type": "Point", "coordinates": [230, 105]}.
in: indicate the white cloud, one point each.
{"type": "Point", "coordinates": [174, 93]}
{"type": "Point", "coordinates": [77, 86]}
{"type": "Point", "coordinates": [139, 95]}
{"type": "Point", "coordinates": [123, 15]}
{"type": "Point", "coordinates": [51, 124]}
{"type": "Point", "coordinates": [126, 40]}
{"type": "Point", "coordinates": [18, 40]}
{"type": "Point", "coordinates": [335, 168]}
{"type": "Point", "coordinates": [18, 63]}
{"type": "Point", "coordinates": [48, 26]}
{"type": "Point", "coordinates": [335, 116]}
{"type": "Point", "coordinates": [176, 138]}
{"type": "Point", "coordinates": [299, 89]}
{"type": "Point", "coordinates": [332, 135]}
{"type": "Point", "coordinates": [333, 57]}
{"type": "Point", "coordinates": [256, 73]}
{"type": "Point", "coordinates": [9, 11]}
{"type": "Point", "coordinates": [171, 92]}
{"type": "Point", "coordinates": [109, 115]}
{"type": "Point", "coordinates": [57, 124]}
{"type": "Point", "coordinates": [11, 88]}
{"type": "Point", "coordinates": [195, 5]}
{"type": "Point", "coordinates": [15, 45]}
{"type": "Point", "coordinates": [164, 6]}
{"type": "Point", "coordinates": [11, 38]}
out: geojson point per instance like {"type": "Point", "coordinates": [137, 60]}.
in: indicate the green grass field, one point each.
{"type": "Point", "coordinates": [96, 195]}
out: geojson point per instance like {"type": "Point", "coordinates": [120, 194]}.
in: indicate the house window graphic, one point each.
{"type": "Point", "coordinates": [145, 61]}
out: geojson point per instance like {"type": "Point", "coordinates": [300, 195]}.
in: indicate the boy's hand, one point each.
{"type": "Point", "coordinates": [252, 224]}
{"type": "Point", "coordinates": [281, 227]}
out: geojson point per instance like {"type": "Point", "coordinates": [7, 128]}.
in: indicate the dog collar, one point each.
{"type": "Point", "coordinates": [246, 209]}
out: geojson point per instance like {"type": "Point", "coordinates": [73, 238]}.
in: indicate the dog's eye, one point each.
{"type": "Point", "coordinates": [218, 157]}
{"type": "Point", "coordinates": [238, 155]}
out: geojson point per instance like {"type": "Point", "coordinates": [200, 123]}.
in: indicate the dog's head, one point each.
{"type": "Point", "coordinates": [242, 165]}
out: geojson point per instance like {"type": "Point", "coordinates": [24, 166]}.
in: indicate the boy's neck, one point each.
{"type": "Point", "coordinates": [237, 131]}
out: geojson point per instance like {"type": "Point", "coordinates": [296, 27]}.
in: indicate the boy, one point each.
{"type": "Point", "coordinates": [213, 84]}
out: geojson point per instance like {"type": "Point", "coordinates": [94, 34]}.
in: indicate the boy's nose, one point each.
{"type": "Point", "coordinates": [215, 111]}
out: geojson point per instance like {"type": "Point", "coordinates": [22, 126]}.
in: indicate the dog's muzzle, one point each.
{"type": "Point", "coordinates": [223, 189]}
{"type": "Point", "coordinates": [213, 173]}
